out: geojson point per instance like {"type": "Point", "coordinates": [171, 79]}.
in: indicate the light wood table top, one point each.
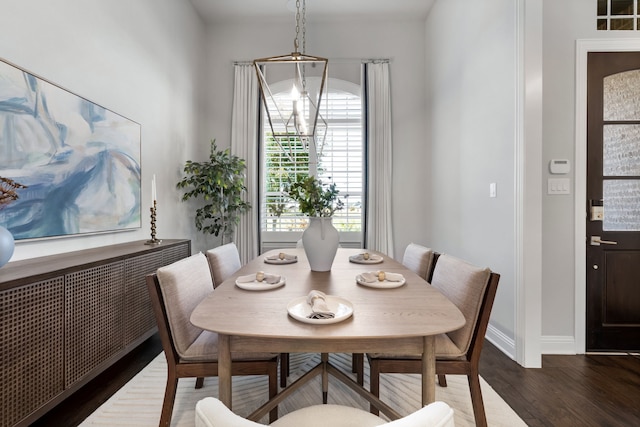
{"type": "Point", "coordinates": [398, 320]}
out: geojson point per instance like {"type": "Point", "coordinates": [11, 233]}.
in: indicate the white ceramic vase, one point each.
{"type": "Point", "coordinates": [7, 245]}
{"type": "Point", "coordinates": [320, 241]}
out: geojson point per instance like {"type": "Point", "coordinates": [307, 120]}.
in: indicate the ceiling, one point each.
{"type": "Point", "coordinates": [213, 11]}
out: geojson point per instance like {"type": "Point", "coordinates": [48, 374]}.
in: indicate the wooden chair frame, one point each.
{"type": "Point", "coordinates": [178, 368]}
{"type": "Point", "coordinates": [468, 366]}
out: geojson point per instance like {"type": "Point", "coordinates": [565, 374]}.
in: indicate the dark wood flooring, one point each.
{"type": "Point", "coordinates": [583, 390]}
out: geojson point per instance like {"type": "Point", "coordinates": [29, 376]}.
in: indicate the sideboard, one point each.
{"type": "Point", "coordinates": [65, 318]}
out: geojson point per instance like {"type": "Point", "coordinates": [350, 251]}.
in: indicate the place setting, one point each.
{"type": "Point", "coordinates": [381, 279]}
{"type": "Point", "coordinates": [281, 258]}
{"type": "Point", "coordinates": [318, 308]}
{"type": "Point", "coordinates": [366, 258]}
{"type": "Point", "coordinates": [260, 281]}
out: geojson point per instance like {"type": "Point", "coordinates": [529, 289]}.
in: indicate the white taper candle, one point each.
{"type": "Point", "coordinates": [153, 189]}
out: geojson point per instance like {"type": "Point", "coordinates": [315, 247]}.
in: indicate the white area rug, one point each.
{"type": "Point", "coordinates": [139, 402]}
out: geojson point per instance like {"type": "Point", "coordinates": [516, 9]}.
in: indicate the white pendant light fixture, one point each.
{"type": "Point", "coordinates": [295, 112]}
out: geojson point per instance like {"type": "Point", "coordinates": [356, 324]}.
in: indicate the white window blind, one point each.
{"type": "Point", "coordinates": [341, 161]}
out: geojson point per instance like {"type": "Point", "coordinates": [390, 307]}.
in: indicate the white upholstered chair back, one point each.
{"type": "Point", "coordinates": [419, 259]}
{"type": "Point", "coordinates": [210, 412]}
{"type": "Point", "coordinates": [183, 285]}
{"type": "Point", "coordinates": [463, 284]}
{"type": "Point", "coordinates": [224, 261]}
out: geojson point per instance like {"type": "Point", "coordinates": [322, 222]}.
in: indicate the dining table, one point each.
{"type": "Point", "coordinates": [397, 312]}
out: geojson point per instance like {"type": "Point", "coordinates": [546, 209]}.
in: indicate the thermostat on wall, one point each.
{"type": "Point", "coordinates": [559, 166]}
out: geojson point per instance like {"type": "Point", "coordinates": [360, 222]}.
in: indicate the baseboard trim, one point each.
{"type": "Point", "coordinates": [501, 341]}
{"type": "Point", "coordinates": [558, 344]}
{"type": "Point", "coordinates": [549, 344]}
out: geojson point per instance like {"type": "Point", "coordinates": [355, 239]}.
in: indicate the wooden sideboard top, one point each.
{"type": "Point", "coordinates": [17, 273]}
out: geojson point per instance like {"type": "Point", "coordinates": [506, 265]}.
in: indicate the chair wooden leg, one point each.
{"type": "Point", "coordinates": [273, 390]}
{"type": "Point", "coordinates": [442, 380]}
{"type": "Point", "coordinates": [476, 400]}
{"type": "Point", "coordinates": [357, 366]}
{"type": "Point", "coordinates": [169, 399]}
{"type": "Point", "coordinates": [284, 369]}
{"type": "Point", "coordinates": [199, 382]}
{"type": "Point", "coordinates": [374, 383]}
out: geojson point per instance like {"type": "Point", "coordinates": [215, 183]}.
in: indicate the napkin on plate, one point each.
{"type": "Point", "coordinates": [271, 279]}
{"type": "Point", "coordinates": [319, 307]}
{"type": "Point", "coordinates": [372, 276]}
{"type": "Point", "coordinates": [360, 257]}
{"type": "Point", "coordinates": [287, 257]}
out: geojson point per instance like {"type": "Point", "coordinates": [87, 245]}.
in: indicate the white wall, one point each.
{"type": "Point", "coordinates": [471, 131]}
{"type": "Point", "coordinates": [141, 59]}
{"type": "Point", "coordinates": [345, 44]}
{"type": "Point", "coordinates": [154, 62]}
{"type": "Point", "coordinates": [564, 22]}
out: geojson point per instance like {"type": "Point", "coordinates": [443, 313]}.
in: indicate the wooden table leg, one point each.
{"type": "Point", "coordinates": [224, 370]}
{"type": "Point", "coordinates": [428, 370]}
{"type": "Point", "coordinates": [324, 357]}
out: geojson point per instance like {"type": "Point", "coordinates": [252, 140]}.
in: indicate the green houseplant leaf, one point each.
{"type": "Point", "coordinates": [220, 183]}
{"type": "Point", "coordinates": [314, 197]}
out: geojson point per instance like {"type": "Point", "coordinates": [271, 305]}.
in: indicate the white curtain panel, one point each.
{"type": "Point", "coordinates": [379, 234]}
{"type": "Point", "coordinates": [244, 144]}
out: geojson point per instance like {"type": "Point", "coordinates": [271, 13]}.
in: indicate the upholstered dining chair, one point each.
{"type": "Point", "coordinates": [191, 352]}
{"type": "Point", "coordinates": [224, 261]}
{"type": "Point", "coordinates": [210, 412]}
{"type": "Point", "coordinates": [420, 260]}
{"type": "Point", "coordinates": [472, 289]}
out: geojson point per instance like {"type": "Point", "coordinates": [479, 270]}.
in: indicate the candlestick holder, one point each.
{"type": "Point", "coordinates": [153, 240]}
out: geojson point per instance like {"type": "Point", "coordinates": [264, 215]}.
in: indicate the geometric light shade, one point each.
{"type": "Point", "coordinates": [296, 112]}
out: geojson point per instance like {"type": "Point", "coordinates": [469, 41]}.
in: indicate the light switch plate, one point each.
{"type": "Point", "coordinates": [558, 186]}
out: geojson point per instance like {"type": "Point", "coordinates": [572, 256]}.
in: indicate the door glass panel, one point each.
{"type": "Point", "coordinates": [622, 24]}
{"type": "Point", "coordinates": [622, 96]}
{"type": "Point", "coordinates": [621, 150]}
{"type": "Point", "coordinates": [621, 205]}
{"type": "Point", "coordinates": [622, 7]}
{"type": "Point", "coordinates": [602, 7]}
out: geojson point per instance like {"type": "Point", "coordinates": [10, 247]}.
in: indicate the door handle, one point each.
{"type": "Point", "coordinates": [596, 241]}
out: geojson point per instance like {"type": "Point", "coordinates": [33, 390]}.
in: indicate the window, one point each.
{"type": "Point", "coordinates": [340, 160]}
{"type": "Point", "coordinates": [618, 15]}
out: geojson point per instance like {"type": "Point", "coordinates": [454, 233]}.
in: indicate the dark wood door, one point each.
{"type": "Point", "coordinates": [613, 201]}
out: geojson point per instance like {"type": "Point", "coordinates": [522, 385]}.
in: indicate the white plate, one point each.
{"type": "Point", "coordinates": [373, 259]}
{"type": "Point", "coordinates": [280, 261]}
{"type": "Point", "coordinates": [299, 309]}
{"type": "Point", "coordinates": [385, 284]}
{"type": "Point", "coordinates": [260, 286]}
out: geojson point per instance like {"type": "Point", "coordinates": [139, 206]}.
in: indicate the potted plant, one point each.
{"type": "Point", "coordinates": [319, 202]}
{"type": "Point", "coordinates": [220, 182]}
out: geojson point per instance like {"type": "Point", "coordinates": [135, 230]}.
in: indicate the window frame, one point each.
{"type": "Point", "coordinates": [283, 239]}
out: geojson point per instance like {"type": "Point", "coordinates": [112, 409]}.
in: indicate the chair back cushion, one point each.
{"type": "Point", "coordinates": [465, 285]}
{"type": "Point", "coordinates": [184, 284]}
{"type": "Point", "coordinates": [210, 412]}
{"type": "Point", "coordinates": [329, 415]}
{"type": "Point", "coordinates": [436, 414]}
{"type": "Point", "coordinates": [224, 261]}
{"type": "Point", "coordinates": [418, 259]}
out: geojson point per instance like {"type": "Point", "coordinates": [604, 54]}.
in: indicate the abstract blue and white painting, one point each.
{"type": "Point", "coordinates": [80, 161]}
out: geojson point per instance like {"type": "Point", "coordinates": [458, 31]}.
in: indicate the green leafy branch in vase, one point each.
{"type": "Point", "coordinates": [314, 198]}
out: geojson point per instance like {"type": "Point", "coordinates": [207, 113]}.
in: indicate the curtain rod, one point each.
{"type": "Point", "coordinates": [337, 60]}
